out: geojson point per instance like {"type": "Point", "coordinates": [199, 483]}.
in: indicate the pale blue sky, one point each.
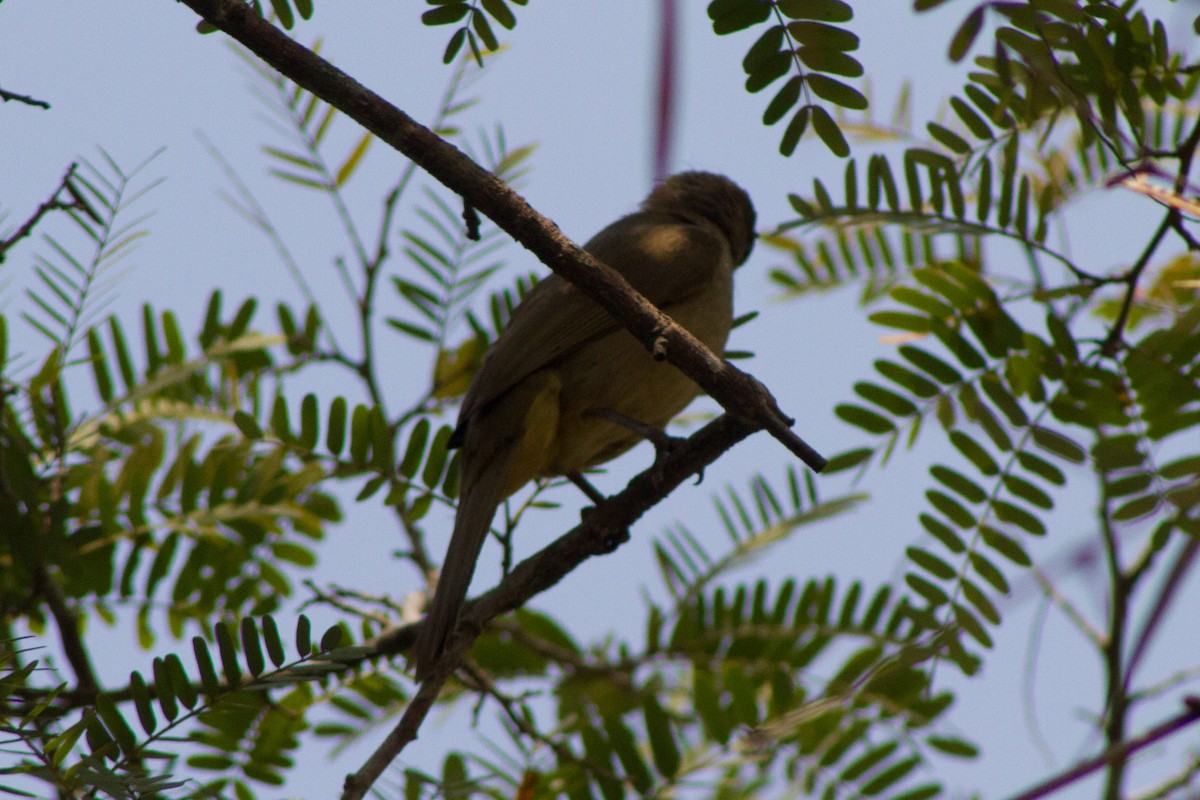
{"type": "Point", "coordinates": [132, 77]}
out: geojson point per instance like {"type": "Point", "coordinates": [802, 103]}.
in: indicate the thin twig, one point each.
{"type": "Point", "coordinates": [486, 685]}
{"type": "Point", "coordinates": [1167, 593]}
{"type": "Point", "coordinates": [1113, 341]}
{"type": "Point", "coordinates": [1116, 701]}
{"type": "Point", "coordinates": [6, 96]}
{"type": "Point", "coordinates": [254, 211]}
{"type": "Point", "coordinates": [53, 204]}
{"type": "Point", "coordinates": [564, 656]}
{"type": "Point", "coordinates": [1173, 221]}
{"type": "Point", "coordinates": [1120, 751]}
{"type": "Point", "coordinates": [70, 636]}
{"type": "Point", "coordinates": [1067, 607]}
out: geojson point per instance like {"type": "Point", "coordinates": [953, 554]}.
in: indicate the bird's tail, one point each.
{"type": "Point", "coordinates": [477, 505]}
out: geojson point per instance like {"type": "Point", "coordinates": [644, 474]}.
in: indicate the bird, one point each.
{"type": "Point", "coordinates": [554, 389]}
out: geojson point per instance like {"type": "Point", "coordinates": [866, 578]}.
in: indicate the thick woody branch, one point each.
{"type": "Point", "coordinates": [608, 523]}
{"type": "Point", "coordinates": [738, 392]}
{"type": "Point", "coordinates": [603, 528]}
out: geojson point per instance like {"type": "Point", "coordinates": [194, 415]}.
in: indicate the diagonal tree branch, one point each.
{"type": "Point", "coordinates": [603, 528]}
{"type": "Point", "coordinates": [1118, 751]}
{"type": "Point", "coordinates": [751, 407]}
{"type": "Point", "coordinates": [8, 96]}
{"type": "Point", "coordinates": [738, 392]}
{"type": "Point", "coordinates": [76, 203]}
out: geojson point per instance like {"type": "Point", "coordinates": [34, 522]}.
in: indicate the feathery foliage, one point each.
{"type": "Point", "coordinates": [190, 490]}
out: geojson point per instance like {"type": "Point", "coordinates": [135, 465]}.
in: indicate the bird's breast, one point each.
{"type": "Point", "coordinates": [616, 373]}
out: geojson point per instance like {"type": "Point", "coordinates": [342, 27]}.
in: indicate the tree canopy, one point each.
{"type": "Point", "coordinates": [178, 484]}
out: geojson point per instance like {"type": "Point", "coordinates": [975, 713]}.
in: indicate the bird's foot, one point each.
{"type": "Point", "coordinates": [656, 436]}
{"type": "Point", "coordinates": [592, 492]}
{"type": "Point", "coordinates": [664, 443]}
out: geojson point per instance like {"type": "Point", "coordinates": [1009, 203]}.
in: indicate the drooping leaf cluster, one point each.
{"type": "Point", "coordinates": [1043, 374]}
{"type": "Point", "coordinates": [806, 44]}
{"type": "Point", "coordinates": [476, 28]}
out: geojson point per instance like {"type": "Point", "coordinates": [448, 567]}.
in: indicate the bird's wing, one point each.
{"type": "Point", "coordinates": [556, 318]}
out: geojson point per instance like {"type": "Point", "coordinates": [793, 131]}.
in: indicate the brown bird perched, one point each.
{"type": "Point", "coordinates": [550, 386]}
